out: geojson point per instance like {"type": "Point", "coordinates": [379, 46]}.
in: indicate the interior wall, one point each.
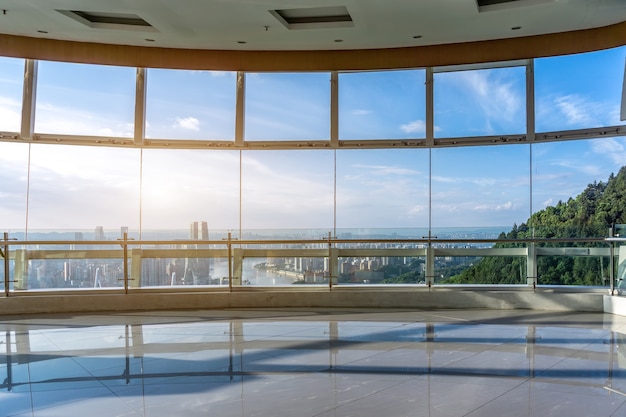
{"type": "Point", "coordinates": [498, 299]}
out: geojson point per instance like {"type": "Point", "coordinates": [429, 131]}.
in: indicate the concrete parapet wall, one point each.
{"type": "Point", "coordinates": [322, 298]}
{"type": "Point", "coordinates": [615, 305]}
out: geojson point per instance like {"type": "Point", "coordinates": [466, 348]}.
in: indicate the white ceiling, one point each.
{"type": "Point", "coordinates": [249, 25]}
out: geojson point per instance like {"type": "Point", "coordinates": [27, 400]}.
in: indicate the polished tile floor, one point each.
{"type": "Point", "coordinates": [382, 363]}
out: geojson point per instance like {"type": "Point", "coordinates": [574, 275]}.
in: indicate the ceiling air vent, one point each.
{"type": "Point", "coordinates": [108, 20]}
{"type": "Point", "coordinates": [492, 5]}
{"type": "Point", "coordinates": [314, 17]}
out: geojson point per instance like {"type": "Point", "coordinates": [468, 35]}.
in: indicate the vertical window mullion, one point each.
{"type": "Point", "coordinates": [29, 99]}
{"type": "Point", "coordinates": [240, 103]}
{"type": "Point", "coordinates": [430, 110]}
{"type": "Point", "coordinates": [140, 106]}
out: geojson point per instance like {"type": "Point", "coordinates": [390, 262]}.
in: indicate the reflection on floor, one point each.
{"type": "Point", "coordinates": [314, 363]}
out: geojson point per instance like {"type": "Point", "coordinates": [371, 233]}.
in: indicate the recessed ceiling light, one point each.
{"type": "Point", "coordinates": [495, 5]}
{"type": "Point", "coordinates": [314, 17]}
{"type": "Point", "coordinates": [417, 37]}
{"type": "Point", "coordinates": [338, 40]}
{"type": "Point", "coordinates": [516, 28]}
{"type": "Point", "coordinates": [108, 20]}
{"type": "Point", "coordinates": [241, 42]}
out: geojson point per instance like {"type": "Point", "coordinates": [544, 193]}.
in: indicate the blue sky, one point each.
{"type": "Point", "coordinates": [81, 187]}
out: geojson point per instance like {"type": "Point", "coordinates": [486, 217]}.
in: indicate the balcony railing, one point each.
{"type": "Point", "coordinates": [232, 264]}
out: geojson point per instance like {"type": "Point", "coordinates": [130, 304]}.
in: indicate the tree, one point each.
{"type": "Point", "coordinates": [590, 214]}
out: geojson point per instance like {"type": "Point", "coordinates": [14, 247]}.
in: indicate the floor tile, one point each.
{"type": "Point", "coordinates": [324, 362]}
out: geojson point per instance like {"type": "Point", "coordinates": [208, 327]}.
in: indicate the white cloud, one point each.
{"type": "Point", "coordinates": [106, 132]}
{"type": "Point", "coordinates": [548, 202]}
{"type": "Point", "coordinates": [495, 207]}
{"type": "Point", "coordinates": [581, 111]}
{"type": "Point", "coordinates": [496, 97]}
{"type": "Point", "coordinates": [506, 206]}
{"type": "Point", "coordinates": [276, 196]}
{"type": "Point", "coordinates": [445, 180]}
{"type": "Point", "coordinates": [386, 170]}
{"type": "Point", "coordinates": [613, 148]}
{"type": "Point", "coordinates": [189, 123]}
{"type": "Point", "coordinates": [417, 126]}
{"type": "Point", "coordinates": [482, 182]}
{"type": "Point", "coordinates": [588, 169]}
{"type": "Point", "coordinates": [573, 111]}
{"type": "Point", "coordinates": [418, 209]}
{"type": "Point", "coordinates": [217, 74]}
{"type": "Point", "coordinates": [450, 208]}
{"type": "Point", "coordinates": [73, 121]}
{"type": "Point", "coordinates": [9, 114]}
{"type": "Point", "coordinates": [574, 108]}
{"type": "Point", "coordinates": [361, 112]}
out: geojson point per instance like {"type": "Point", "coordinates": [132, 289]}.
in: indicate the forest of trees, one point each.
{"type": "Point", "coordinates": [590, 214]}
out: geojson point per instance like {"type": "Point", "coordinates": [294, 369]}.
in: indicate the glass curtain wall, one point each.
{"type": "Point", "coordinates": [181, 186]}
{"type": "Point", "coordinates": [480, 102]}
{"type": "Point", "coordinates": [81, 99]}
{"type": "Point", "coordinates": [287, 106]}
{"type": "Point", "coordinates": [566, 188]}
{"type": "Point", "coordinates": [13, 188]}
{"type": "Point", "coordinates": [192, 105]}
{"type": "Point", "coordinates": [11, 85]}
{"type": "Point", "coordinates": [382, 105]}
{"type": "Point", "coordinates": [82, 188]}
{"type": "Point", "coordinates": [578, 185]}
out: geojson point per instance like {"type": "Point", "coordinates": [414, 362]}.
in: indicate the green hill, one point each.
{"type": "Point", "coordinates": [590, 214]}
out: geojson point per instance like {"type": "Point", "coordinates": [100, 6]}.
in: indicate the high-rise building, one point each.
{"type": "Point", "coordinates": [197, 270]}
{"type": "Point", "coordinates": [99, 233]}
{"type": "Point", "coordinates": [199, 231]}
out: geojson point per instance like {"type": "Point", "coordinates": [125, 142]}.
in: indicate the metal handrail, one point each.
{"type": "Point", "coordinates": [325, 241]}
{"type": "Point", "coordinates": [328, 246]}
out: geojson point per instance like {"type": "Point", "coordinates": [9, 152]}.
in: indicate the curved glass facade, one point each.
{"type": "Point", "coordinates": [472, 154]}
{"type": "Point", "coordinates": [377, 166]}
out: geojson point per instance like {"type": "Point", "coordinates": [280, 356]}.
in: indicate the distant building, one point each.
{"type": "Point", "coordinates": [99, 233]}
{"type": "Point", "coordinates": [197, 270]}
{"type": "Point", "coordinates": [199, 231]}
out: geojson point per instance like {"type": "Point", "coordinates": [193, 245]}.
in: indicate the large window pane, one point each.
{"type": "Point", "coordinates": [287, 190]}
{"type": "Point", "coordinates": [382, 194]}
{"type": "Point", "coordinates": [190, 104]}
{"type": "Point", "coordinates": [79, 187]}
{"type": "Point", "coordinates": [382, 105]}
{"type": "Point", "coordinates": [564, 170]}
{"type": "Point", "coordinates": [378, 189]}
{"type": "Point", "coordinates": [292, 106]}
{"type": "Point", "coordinates": [480, 193]}
{"type": "Point", "coordinates": [486, 186]}
{"type": "Point", "coordinates": [80, 99]}
{"type": "Point", "coordinates": [13, 187]}
{"type": "Point", "coordinates": [579, 91]}
{"type": "Point", "coordinates": [577, 193]}
{"type": "Point", "coordinates": [183, 264]}
{"type": "Point", "coordinates": [480, 102]}
{"type": "Point", "coordinates": [181, 187]}
{"type": "Point", "coordinates": [284, 271]}
{"type": "Point", "coordinates": [382, 269]}
{"type": "Point", "coordinates": [11, 85]}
